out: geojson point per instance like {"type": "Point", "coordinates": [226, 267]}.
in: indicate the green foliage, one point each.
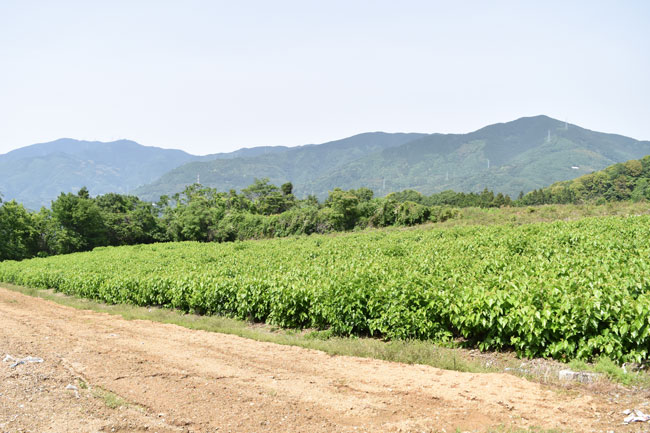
{"type": "Point", "coordinates": [624, 181]}
{"type": "Point", "coordinates": [268, 199]}
{"type": "Point", "coordinates": [363, 194]}
{"type": "Point", "coordinates": [406, 195]}
{"type": "Point", "coordinates": [286, 188]}
{"type": "Point", "coordinates": [343, 209]}
{"type": "Point", "coordinates": [485, 199]}
{"type": "Point", "coordinates": [196, 214]}
{"type": "Point", "coordinates": [410, 213]}
{"type": "Point", "coordinates": [385, 213]}
{"type": "Point", "coordinates": [128, 220]}
{"type": "Point", "coordinates": [79, 223]}
{"type": "Point", "coordinates": [563, 290]}
{"type": "Point", "coordinates": [440, 214]}
{"type": "Point", "coordinates": [18, 235]}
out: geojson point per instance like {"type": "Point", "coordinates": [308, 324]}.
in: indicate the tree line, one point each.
{"type": "Point", "coordinates": [619, 182]}
{"type": "Point", "coordinates": [79, 222]}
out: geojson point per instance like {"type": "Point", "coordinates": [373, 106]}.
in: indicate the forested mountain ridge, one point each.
{"type": "Point", "coordinates": [629, 180]}
{"type": "Point", "coordinates": [35, 175]}
{"type": "Point", "coordinates": [521, 155]}
{"type": "Point", "coordinates": [300, 165]}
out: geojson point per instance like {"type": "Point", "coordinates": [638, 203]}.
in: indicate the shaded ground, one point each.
{"type": "Point", "coordinates": [171, 379]}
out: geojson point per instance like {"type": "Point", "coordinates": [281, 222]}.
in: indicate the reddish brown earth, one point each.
{"type": "Point", "coordinates": [177, 380]}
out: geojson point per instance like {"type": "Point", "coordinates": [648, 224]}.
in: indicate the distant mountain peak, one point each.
{"type": "Point", "coordinates": [532, 122]}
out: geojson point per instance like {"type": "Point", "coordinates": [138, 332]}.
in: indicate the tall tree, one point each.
{"type": "Point", "coordinates": [268, 198]}
{"type": "Point", "coordinates": [18, 234]}
{"type": "Point", "coordinates": [79, 223]}
{"type": "Point", "coordinates": [128, 220]}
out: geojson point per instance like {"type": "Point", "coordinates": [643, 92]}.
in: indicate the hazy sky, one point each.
{"type": "Point", "coordinates": [210, 76]}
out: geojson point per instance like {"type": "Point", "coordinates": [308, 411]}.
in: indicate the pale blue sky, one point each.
{"type": "Point", "coordinates": [211, 76]}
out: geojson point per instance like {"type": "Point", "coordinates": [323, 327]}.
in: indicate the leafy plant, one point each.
{"type": "Point", "coordinates": [563, 290]}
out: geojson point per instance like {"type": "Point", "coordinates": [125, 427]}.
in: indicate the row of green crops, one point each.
{"type": "Point", "coordinates": [562, 290]}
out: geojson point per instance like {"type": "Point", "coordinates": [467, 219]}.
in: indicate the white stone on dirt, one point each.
{"type": "Point", "coordinates": [578, 376]}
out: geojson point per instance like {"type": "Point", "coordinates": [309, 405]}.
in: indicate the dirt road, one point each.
{"type": "Point", "coordinates": [175, 379]}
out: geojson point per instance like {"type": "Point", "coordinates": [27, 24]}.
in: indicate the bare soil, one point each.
{"type": "Point", "coordinates": [172, 379]}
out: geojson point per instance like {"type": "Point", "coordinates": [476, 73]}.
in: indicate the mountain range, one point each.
{"type": "Point", "coordinates": [35, 175]}
{"type": "Point", "coordinates": [521, 155]}
{"type": "Point", "coordinates": [302, 165]}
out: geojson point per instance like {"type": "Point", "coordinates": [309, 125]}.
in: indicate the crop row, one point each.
{"type": "Point", "coordinates": [562, 290]}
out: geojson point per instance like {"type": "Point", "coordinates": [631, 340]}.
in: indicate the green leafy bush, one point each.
{"type": "Point", "coordinates": [563, 290]}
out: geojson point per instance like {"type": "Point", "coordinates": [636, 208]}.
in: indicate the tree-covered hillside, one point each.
{"type": "Point", "coordinates": [623, 181]}
{"type": "Point", "coordinates": [299, 165]}
{"type": "Point", "coordinates": [35, 175]}
{"type": "Point", "coordinates": [521, 155]}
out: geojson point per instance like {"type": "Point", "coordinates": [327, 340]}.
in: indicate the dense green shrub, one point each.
{"type": "Point", "coordinates": [410, 213]}
{"type": "Point", "coordinates": [562, 290]}
{"type": "Point", "coordinates": [440, 214]}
